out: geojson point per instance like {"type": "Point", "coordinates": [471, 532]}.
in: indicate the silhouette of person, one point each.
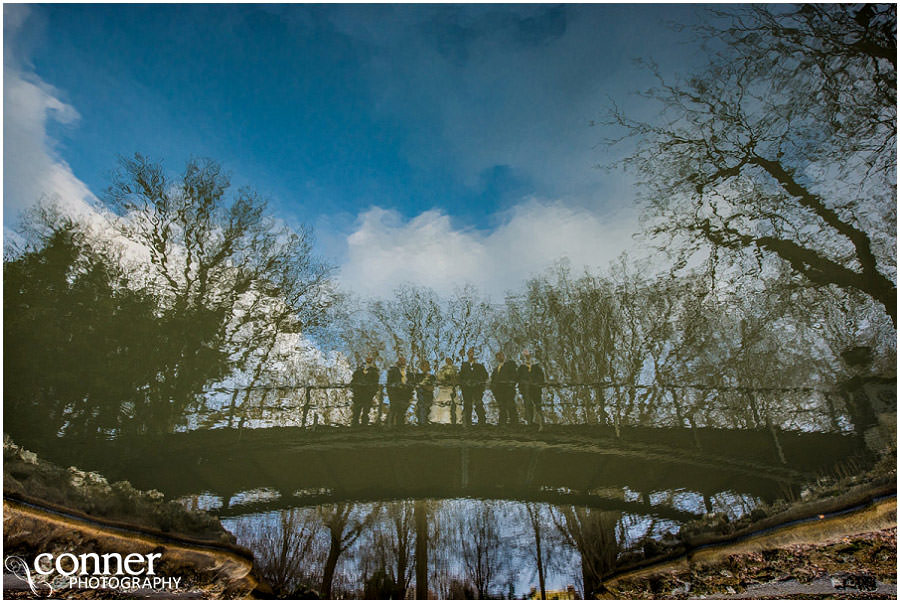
{"type": "Point", "coordinates": [531, 386]}
{"type": "Point", "coordinates": [424, 392]}
{"type": "Point", "coordinates": [503, 385]}
{"type": "Point", "coordinates": [399, 389]}
{"type": "Point", "coordinates": [363, 386]}
{"type": "Point", "coordinates": [473, 378]}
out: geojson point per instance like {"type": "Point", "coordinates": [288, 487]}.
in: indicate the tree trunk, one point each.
{"type": "Point", "coordinates": [421, 550]}
{"type": "Point", "coordinates": [540, 557]}
{"type": "Point", "coordinates": [330, 565]}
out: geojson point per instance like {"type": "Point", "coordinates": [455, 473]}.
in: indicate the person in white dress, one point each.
{"type": "Point", "coordinates": [445, 408]}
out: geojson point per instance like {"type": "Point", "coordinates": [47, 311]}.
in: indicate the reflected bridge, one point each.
{"type": "Point", "coordinates": [580, 465]}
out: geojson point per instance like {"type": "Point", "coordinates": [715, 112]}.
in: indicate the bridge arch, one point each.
{"type": "Point", "coordinates": [584, 465]}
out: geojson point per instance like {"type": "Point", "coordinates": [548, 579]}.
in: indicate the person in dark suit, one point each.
{"type": "Point", "coordinates": [531, 386]}
{"type": "Point", "coordinates": [400, 382]}
{"type": "Point", "coordinates": [363, 386]}
{"type": "Point", "coordinates": [473, 378]}
{"type": "Point", "coordinates": [424, 392]}
{"type": "Point", "coordinates": [503, 385]}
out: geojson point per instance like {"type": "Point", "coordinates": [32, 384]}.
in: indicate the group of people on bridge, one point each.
{"type": "Point", "coordinates": [471, 380]}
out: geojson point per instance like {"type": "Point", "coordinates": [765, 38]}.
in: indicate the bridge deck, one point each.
{"type": "Point", "coordinates": [586, 465]}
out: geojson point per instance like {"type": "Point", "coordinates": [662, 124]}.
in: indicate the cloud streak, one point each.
{"type": "Point", "coordinates": [386, 250]}
{"type": "Point", "coordinates": [32, 168]}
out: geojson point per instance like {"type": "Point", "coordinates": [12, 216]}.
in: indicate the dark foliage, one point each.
{"type": "Point", "coordinates": [84, 351]}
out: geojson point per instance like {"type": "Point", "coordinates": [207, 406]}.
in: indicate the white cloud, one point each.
{"type": "Point", "coordinates": [32, 169]}
{"type": "Point", "coordinates": [385, 250]}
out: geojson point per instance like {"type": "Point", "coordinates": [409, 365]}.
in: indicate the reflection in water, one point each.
{"type": "Point", "coordinates": [562, 403]}
{"type": "Point", "coordinates": [593, 534]}
{"type": "Point", "coordinates": [461, 513]}
{"type": "Point", "coordinates": [456, 512]}
{"type": "Point", "coordinates": [458, 548]}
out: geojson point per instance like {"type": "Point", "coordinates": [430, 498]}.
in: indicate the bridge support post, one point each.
{"type": "Point", "coordinates": [306, 405]}
{"type": "Point", "coordinates": [464, 467]}
{"type": "Point", "coordinates": [694, 433]}
{"type": "Point", "coordinates": [774, 433]}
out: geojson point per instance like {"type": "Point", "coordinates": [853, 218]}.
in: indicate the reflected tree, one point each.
{"type": "Point", "coordinates": [593, 534]}
{"type": "Point", "coordinates": [387, 553]}
{"type": "Point", "coordinates": [286, 552]}
{"type": "Point", "coordinates": [481, 548]}
{"type": "Point", "coordinates": [569, 323]}
{"type": "Point", "coordinates": [234, 277]}
{"type": "Point", "coordinates": [344, 527]}
{"type": "Point", "coordinates": [422, 537]}
{"type": "Point", "coordinates": [82, 347]}
{"type": "Point", "coordinates": [783, 148]}
{"type": "Point", "coordinates": [534, 518]}
{"type": "Point", "coordinates": [419, 324]}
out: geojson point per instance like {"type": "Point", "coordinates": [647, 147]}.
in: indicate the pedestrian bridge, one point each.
{"type": "Point", "coordinates": [583, 465]}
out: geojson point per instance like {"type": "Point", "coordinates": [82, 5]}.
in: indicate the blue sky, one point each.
{"type": "Point", "coordinates": [429, 138]}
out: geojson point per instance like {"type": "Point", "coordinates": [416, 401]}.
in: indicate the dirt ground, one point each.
{"type": "Point", "coordinates": [863, 566]}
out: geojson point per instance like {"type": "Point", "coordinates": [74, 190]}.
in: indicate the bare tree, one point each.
{"type": "Point", "coordinates": [572, 325]}
{"type": "Point", "coordinates": [469, 318]}
{"type": "Point", "coordinates": [534, 518]}
{"type": "Point", "coordinates": [422, 537]}
{"type": "Point", "coordinates": [784, 147]}
{"type": "Point", "coordinates": [481, 546]}
{"type": "Point", "coordinates": [593, 534]}
{"type": "Point", "coordinates": [419, 324]}
{"type": "Point", "coordinates": [395, 546]}
{"type": "Point", "coordinates": [238, 278]}
{"type": "Point", "coordinates": [344, 528]}
{"type": "Point", "coordinates": [286, 551]}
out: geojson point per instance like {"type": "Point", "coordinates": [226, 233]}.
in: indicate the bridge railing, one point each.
{"type": "Point", "coordinates": [563, 403]}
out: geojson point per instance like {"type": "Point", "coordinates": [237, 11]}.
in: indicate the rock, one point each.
{"type": "Point", "coordinates": [651, 548]}
{"type": "Point", "coordinates": [757, 514]}
{"type": "Point", "coordinates": [856, 581]}
{"type": "Point", "coordinates": [684, 589]}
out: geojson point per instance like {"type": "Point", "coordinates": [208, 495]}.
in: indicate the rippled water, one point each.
{"type": "Point", "coordinates": [473, 548]}
{"type": "Point", "coordinates": [380, 512]}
